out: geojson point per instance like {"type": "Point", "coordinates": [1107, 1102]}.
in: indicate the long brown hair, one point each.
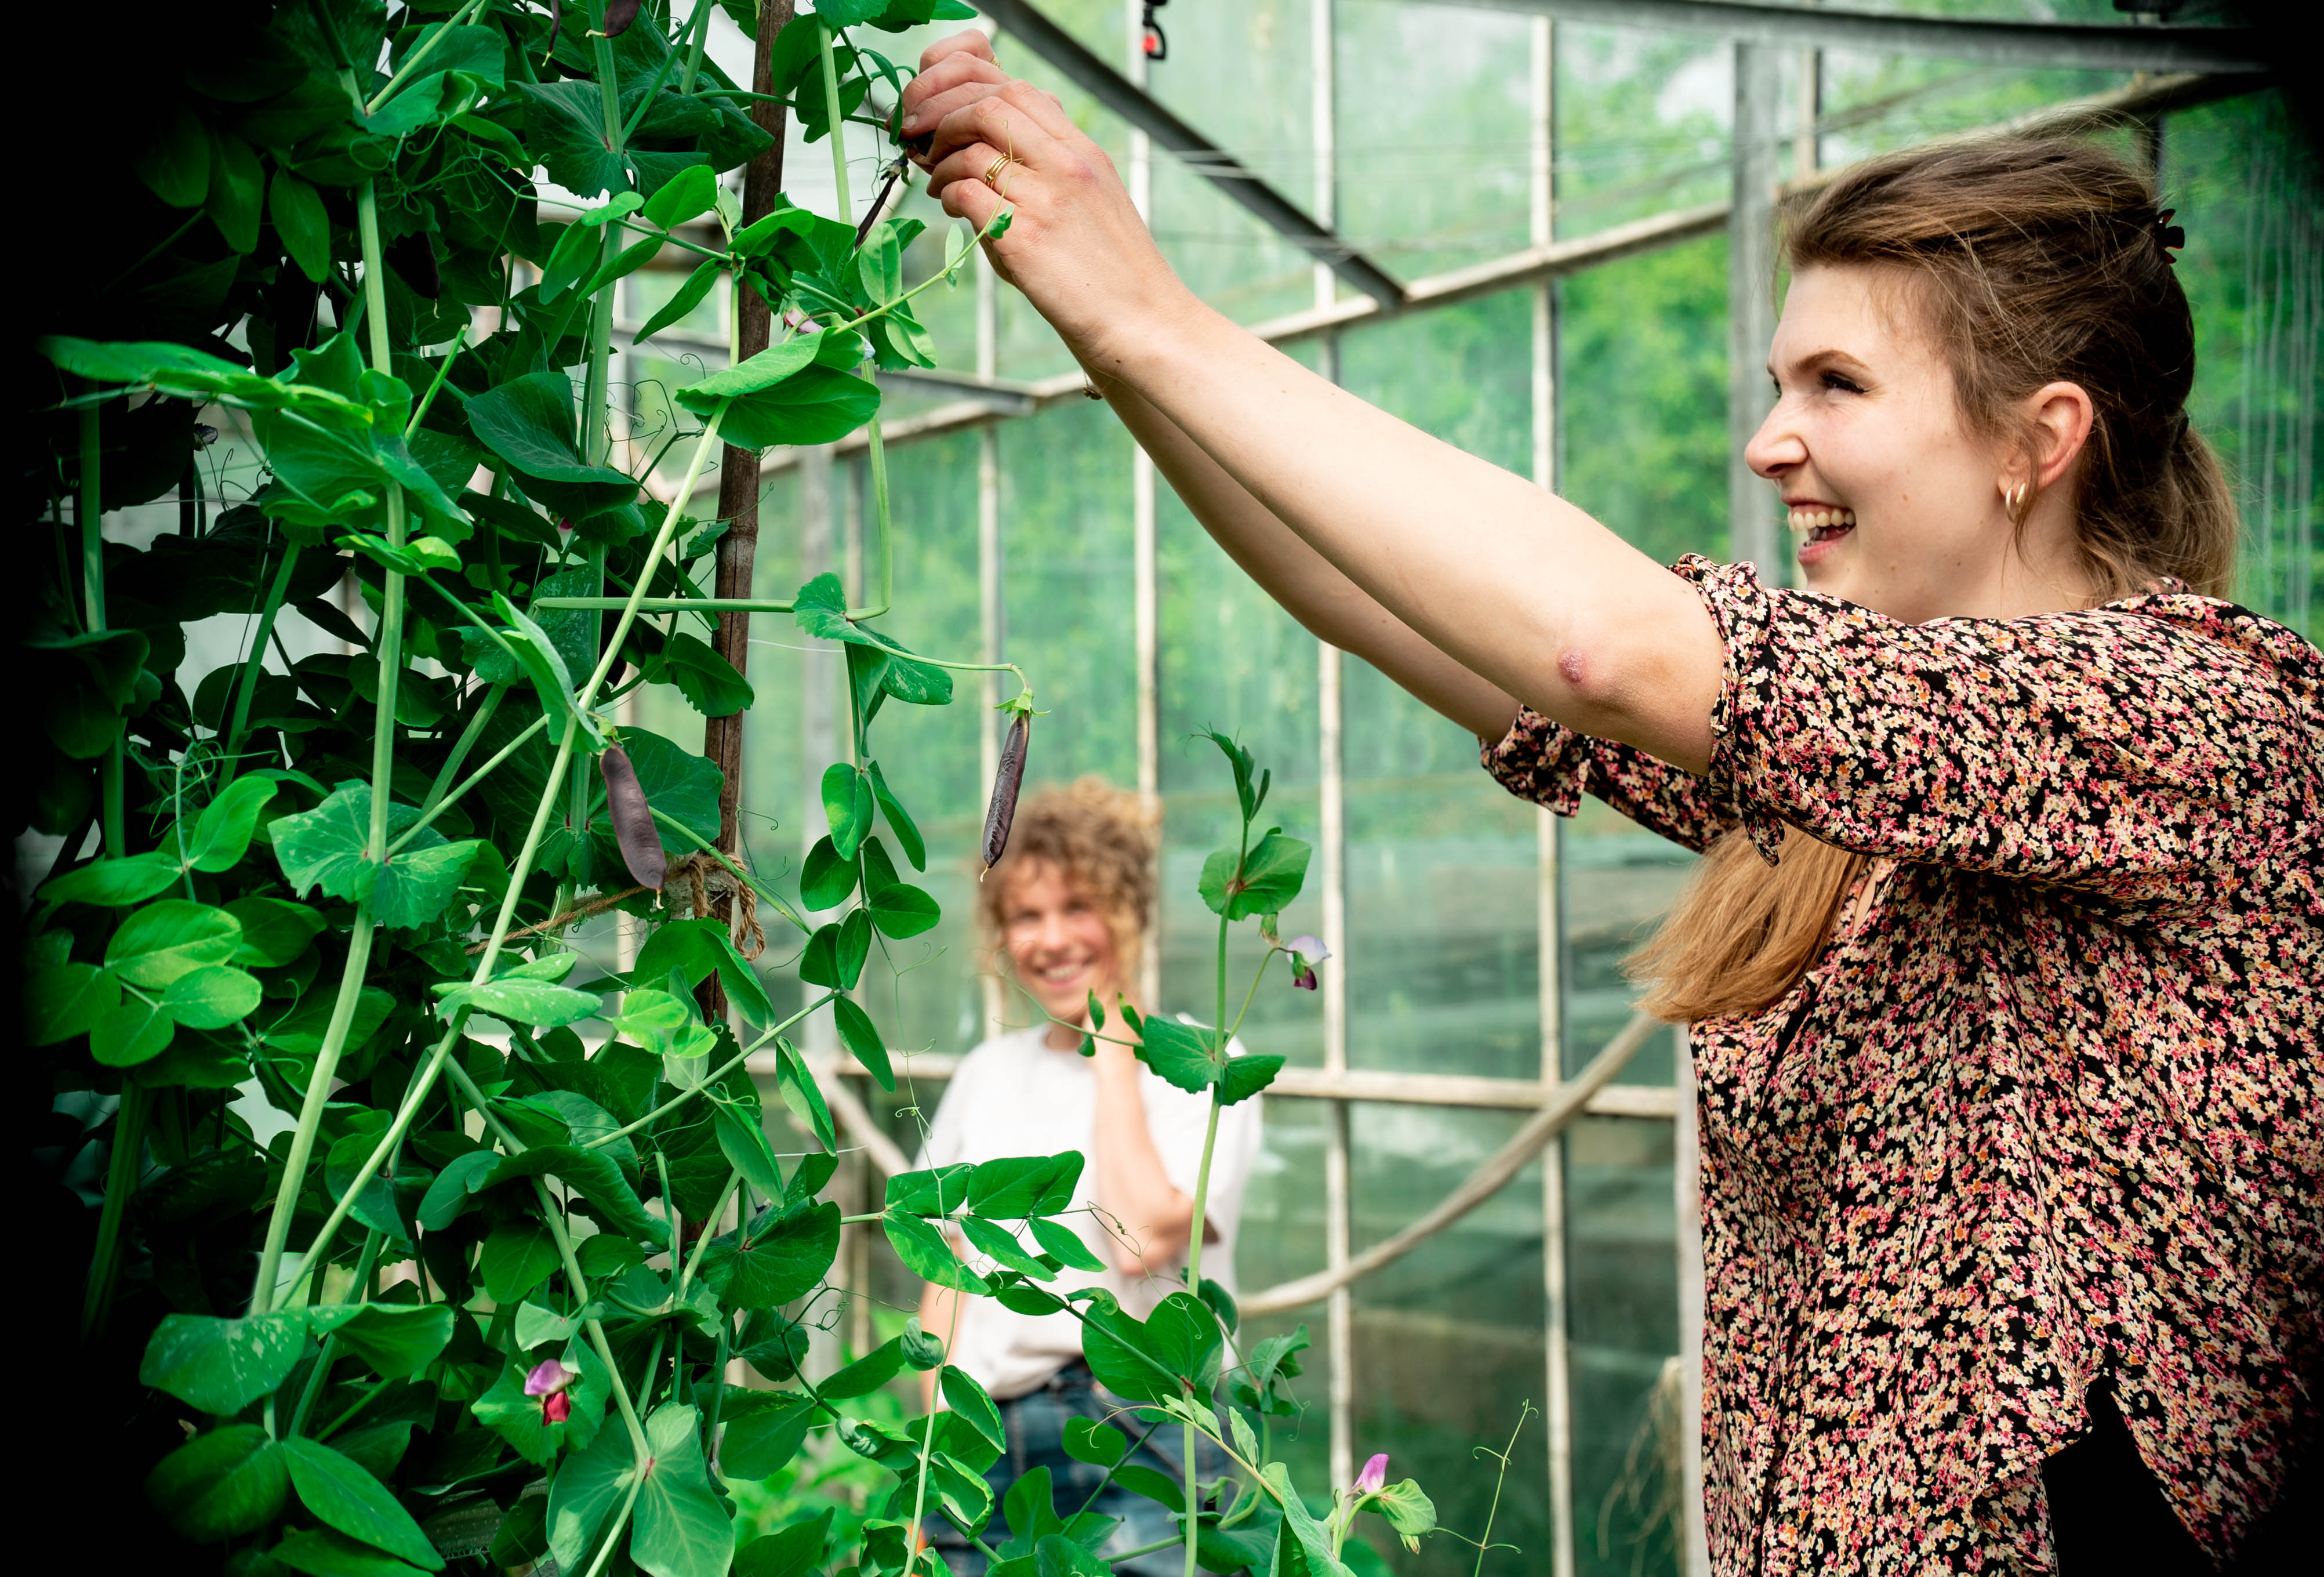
{"type": "Point", "coordinates": [2029, 261]}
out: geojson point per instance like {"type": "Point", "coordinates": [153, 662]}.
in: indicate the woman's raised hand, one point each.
{"type": "Point", "coordinates": [1075, 246]}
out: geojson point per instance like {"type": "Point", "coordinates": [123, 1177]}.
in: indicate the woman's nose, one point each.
{"type": "Point", "coordinates": [1776, 447]}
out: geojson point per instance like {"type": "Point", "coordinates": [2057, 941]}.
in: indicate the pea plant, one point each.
{"type": "Point", "coordinates": [479, 1306]}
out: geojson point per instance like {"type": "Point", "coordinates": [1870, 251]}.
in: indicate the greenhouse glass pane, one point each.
{"type": "Point", "coordinates": [2248, 196]}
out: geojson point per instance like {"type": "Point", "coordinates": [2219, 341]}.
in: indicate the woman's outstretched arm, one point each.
{"type": "Point", "coordinates": [1331, 605]}
{"type": "Point", "coordinates": [1517, 587]}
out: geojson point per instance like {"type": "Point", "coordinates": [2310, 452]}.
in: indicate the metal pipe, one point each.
{"type": "Point", "coordinates": [2069, 46]}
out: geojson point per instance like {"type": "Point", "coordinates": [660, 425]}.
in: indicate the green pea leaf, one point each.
{"type": "Point", "coordinates": [211, 997]}
{"type": "Point", "coordinates": [689, 296]}
{"type": "Point", "coordinates": [996, 1243]}
{"type": "Point", "coordinates": [927, 1255]}
{"type": "Point", "coordinates": [866, 1374]}
{"type": "Point", "coordinates": [302, 223]}
{"type": "Point", "coordinates": [1180, 1053]}
{"type": "Point", "coordinates": [174, 937]}
{"type": "Point", "coordinates": [861, 1037]}
{"type": "Point", "coordinates": [229, 1481]}
{"type": "Point", "coordinates": [970, 1401]}
{"type": "Point", "coordinates": [782, 396]}
{"type": "Point", "coordinates": [1269, 878]}
{"type": "Point", "coordinates": [1062, 1242]}
{"type": "Point", "coordinates": [113, 883]}
{"type": "Point", "coordinates": [68, 999]}
{"type": "Point", "coordinates": [1246, 1076]}
{"type": "Point", "coordinates": [847, 806]}
{"type": "Point", "coordinates": [529, 422]}
{"type": "Point", "coordinates": [1099, 1444]}
{"type": "Point", "coordinates": [1015, 1186]}
{"type": "Point", "coordinates": [524, 1003]}
{"type": "Point", "coordinates": [222, 1366]}
{"type": "Point", "coordinates": [324, 1552]}
{"type": "Point", "coordinates": [175, 162]}
{"type": "Point", "coordinates": [398, 1342]}
{"type": "Point", "coordinates": [226, 823]}
{"type": "Point", "coordinates": [274, 931]}
{"type": "Point", "coordinates": [134, 1032]}
{"type": "Point", "coordinates": [343, 1495]}
{"type": "Point", "coordinates": [743, 1141]}
{"type": "Point", "coordinates": [780, 1255]}
{"type": "Point", "coordinates": [900, 910]}
{"type": "Point", "coordinates": [900, 822]}
{"type": "Point", "coordinates": [699, 947]}
{"type": "Point", "coordinates": [799, 1094]}
{"type": "Point", "coordinates": [688, 195]}
{"type": "Point", "coordinates": [516, 1257]}
{"type": "Point", "coordinates": [763, 1432]}
{"type": "Point", "coordinates": [827, 877]}
{"type": "Point", "coordinates": [709, 682]}
{"type": "Point", "coordinates": [682, 1526]}
{"type": "Point", "coordinates": [237, 191]}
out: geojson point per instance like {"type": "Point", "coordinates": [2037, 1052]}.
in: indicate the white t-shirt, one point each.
{"type": "Point", "coordinates": [1014, 1095]}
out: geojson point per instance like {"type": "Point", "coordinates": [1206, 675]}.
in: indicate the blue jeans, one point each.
{"type": "Point", "coordinates": [1035, 1424]}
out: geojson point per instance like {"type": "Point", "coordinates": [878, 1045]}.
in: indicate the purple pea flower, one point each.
{"type": "Point", "coordinates": [1307, 953]}
{"type": "Point", "coordinates": [548, 1380]}
{"type": "Point", "coordinates": [1374, 1476]}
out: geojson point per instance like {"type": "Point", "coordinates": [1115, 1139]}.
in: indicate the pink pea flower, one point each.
{"type": "Point", "coordinates": [548, 1380]}
{"type": "Point", "coordinates": [1374, 1476]}
{"type": "Point", "coordinates": [1305, 981]}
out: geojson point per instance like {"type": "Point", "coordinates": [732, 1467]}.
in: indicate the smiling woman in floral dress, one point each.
{"type": "Point", "coordinates": [2004, 968]}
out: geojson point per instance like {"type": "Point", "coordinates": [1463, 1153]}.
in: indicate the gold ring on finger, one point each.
{"type": "Point", "coordinates": [993, 172]}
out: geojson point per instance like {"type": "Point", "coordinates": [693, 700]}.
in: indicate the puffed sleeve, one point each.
{"type": "Point", "coordinates": [1550, 764]}
{"type": "Point", "coordinates": [2117, 749]}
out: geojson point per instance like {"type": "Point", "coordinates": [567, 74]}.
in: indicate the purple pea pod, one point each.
{"type": "Point", "coordinates": [1006, 782]}
{"type": "Point", "coordinates": [633, 823]}
{"type": "Point", "coordinates": [619, 14]}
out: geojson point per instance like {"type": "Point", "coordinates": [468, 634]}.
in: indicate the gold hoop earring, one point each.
{"type": "Point", "coordinates": [2014, 499]}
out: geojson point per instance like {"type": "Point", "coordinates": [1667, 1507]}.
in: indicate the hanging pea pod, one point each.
{"type": "Point", "coordinates": [633, 823]}
{"type": "Point", "coordinates": [1006, 782]}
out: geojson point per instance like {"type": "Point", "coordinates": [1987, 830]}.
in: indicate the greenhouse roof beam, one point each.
{"type": "Point", "coordinates": [2073, 46]}
{"type": "Point", "coordinates": [1206, 158]}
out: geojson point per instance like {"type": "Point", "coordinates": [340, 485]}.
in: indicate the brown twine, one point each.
{"type": "Point", "coordinates": [579, 911]}
{"type": "Point", "coordinates": [714, 889]}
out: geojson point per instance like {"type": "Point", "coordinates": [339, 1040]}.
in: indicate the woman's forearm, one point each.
{"type": "Point", "coordinates": [1135, 1194]}
{"type": "Point", "coordinates": [1331, 605]}
{"type": "Point", "coordinates": [1503, 580]}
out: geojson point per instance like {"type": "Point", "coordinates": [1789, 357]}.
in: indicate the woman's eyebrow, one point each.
{"type": "Point", "coordinates": [1818, 361]}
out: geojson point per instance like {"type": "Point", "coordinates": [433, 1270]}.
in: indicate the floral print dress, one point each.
{"type": "Point", "coordinates": [2049, 1108]}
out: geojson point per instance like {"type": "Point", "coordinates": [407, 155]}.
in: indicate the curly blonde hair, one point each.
{"type": "Point", "coordinates": [1104, 840]}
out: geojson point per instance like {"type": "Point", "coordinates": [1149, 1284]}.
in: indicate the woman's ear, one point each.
{"type": "Point", "coordinates": [2060, 415]}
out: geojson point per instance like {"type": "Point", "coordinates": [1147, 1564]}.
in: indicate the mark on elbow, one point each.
{"type": "Point", "coordinates": [1571, 665]}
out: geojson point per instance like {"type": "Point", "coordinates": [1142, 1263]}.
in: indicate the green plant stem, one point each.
{"type": "Point", "coordinates": [597, 416]}
{"type": "Point", "coordinates": [831, 108]}
{"type": "Point", "coordinates": [404, 72]}
{"type": "Point", "coordinates": [728, 1066]}
{"type": "Point", "coordinates": [275, 591]}
{"type": "Point", "coordinates": [329, 1351]}
{"type": "Point", "coordinates": [462, 746]}
{"type": "Point", "coordinates": [417, 1092]}
{"type": "Point", "coordinates": [91, 510]}
{"type": "Point", "coordinates": [388, 644]}
{"type": "Point", "coordinates": [613, 651]}
{"type": "Point", "coordinates": [122, 1169]}
{"type": "Point", "coordinates": [475, 778]}
{"type": "Point", "coordinates": [352, 975]}
{"type": "Point", "coordinates": [700, 24]}
{"type": "Point", "coordinates": [419, 411]}
{"type": "Point", "coordinates": [621, 1521]}
{"type": "Point", "coordinates": [709, 1225]}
